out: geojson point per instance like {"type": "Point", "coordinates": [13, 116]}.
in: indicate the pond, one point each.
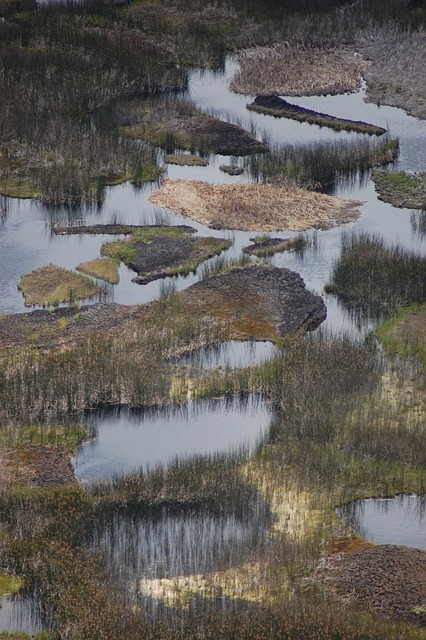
{"type": "Point", "coordinates": [230, 354]}
{"type": "Point", "coordinates": [400, 520]}
{"type": "Point", "coordinates": [128, 440]}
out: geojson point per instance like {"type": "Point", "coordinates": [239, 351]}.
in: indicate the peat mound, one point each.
{"type": "Point", "coordinates": [387, 579]}
{"type": "Point", "coordinates": [258, 301]}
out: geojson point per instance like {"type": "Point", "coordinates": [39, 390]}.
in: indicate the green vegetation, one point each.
{"type": "Point", "coordinates": [264, 246]}
{"type": "Point", "coordinates": [102, 268]}
{"type": "Point", "coordinates": [401, 189]}
{"type": "Point", "coordinates": [320, 165]}
{"type": "Point", "coordinates": [403, 333]}
{"type": "Point", "coordinates": [372, 280]}
{"type": "Point", "coordinates": [52, 285]}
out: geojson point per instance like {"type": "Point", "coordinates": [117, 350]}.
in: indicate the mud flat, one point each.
{"type": "Point", "coordinates": [254, 207]}
{"type": "Point", "coordinates": [279, 108]}
{"type": "Point", "coordinates": [257, 302]}
{"type": "Point", "coordinates": [296, 70]}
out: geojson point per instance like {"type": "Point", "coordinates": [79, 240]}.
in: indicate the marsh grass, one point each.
{"type": "Point", "coordinates": [321, 164]}
{"type": "Point", "coordinates": [372, 279]}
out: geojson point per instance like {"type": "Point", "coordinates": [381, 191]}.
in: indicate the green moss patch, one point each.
{"type": "Point", "coordinates": [51, 285]}
{"type": "Point", "coordinates": [401, 189]}
{"type": "Point", "coordinates": [102, 268]}
{"type": "Point", "coordinates": [279, 108]}
{"type": "Point", "coordinates": [404, 332]}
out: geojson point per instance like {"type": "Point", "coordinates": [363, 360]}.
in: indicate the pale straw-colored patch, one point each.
{"type": "Point", "coordinates": [290, 70]}
{"type": "Point", "coordinates": [254, 207]}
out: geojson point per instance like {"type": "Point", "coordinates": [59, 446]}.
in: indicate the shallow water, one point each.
{"type": "Point", "coordinates": [26, 241]}
{"type": "Point", "coordinates": [128, 440]}
{"type": "Point", "coordinates": [230, 355]}
{"type": "Point", "coordinates": [400, 520]}
{"type": "Point", "coordinates": [19, 614]}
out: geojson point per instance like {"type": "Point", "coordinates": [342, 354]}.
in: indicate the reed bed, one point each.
{"type": "Point", "coordinates": [322, 164]}
{"type": "Point", "coordinates": [372, 279]}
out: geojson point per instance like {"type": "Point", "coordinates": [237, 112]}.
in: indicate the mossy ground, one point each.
{"type": "Point", "coordinates": [101, 268]}
{"type": "Point", "coordinates": [401, 189]}
{"type": "Point", "coordinates": [51, 285]}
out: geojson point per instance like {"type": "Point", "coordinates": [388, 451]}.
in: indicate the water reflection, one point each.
{"type": "Point", "coordinates": [179, 542]}
{"type": "Point", "coordinates": [20, 614]}
{"type": "Point", "coordinates": [400, 520]}
{"type": "Point", "coordinates": [132, 439]}
{"type": "Point", "coordinates": [231, 354]}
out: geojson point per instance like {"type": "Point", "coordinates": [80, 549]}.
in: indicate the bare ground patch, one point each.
{"type": "Point", "coordinates": [296, 70]}
{"type": "Point", "coordinates": [254, 207]}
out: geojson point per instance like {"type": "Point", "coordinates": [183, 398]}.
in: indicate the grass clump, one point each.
{"type": "Point", "coordinates": [321, 165]}
{"type": "Point", "coordinates": [372, 279]}
{"type": "Point", "coordinates": [401, 189]}
{"type": "Point", "coordinates": [101, 268]}
{"type": "Point", "coordinates": [52, 285]}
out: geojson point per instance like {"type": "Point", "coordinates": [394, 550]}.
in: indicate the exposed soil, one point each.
{"type": "Point", "coordinates": [169, 255]}
{"type": "Point", "coordinates": [279, 108]}
{"type": "Point", "coordinates": [295, 70]}
{"type": "Point", "coordinates": [189, 129]}
{"type": "Point", "coordinates": [115, 229]}
{"type": "Point", "coordinates": [258, 302]}
{"type": "Point", "coordinates": [254, 207]}
{"type": "Point", "coordinates": [386, 579]}
{"type": "Point", "coordinates": [36, 466]}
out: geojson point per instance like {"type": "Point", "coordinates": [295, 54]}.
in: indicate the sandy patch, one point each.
{"type": "Point", "coordinates": [254, 207]}
{"type": "Point", "coordinates": [298, 70]}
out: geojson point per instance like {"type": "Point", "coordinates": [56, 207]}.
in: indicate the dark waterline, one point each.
{"type": "Point", "coordinates": [128, 440]}
{"type": "Point", "coordinates": [400, 520]}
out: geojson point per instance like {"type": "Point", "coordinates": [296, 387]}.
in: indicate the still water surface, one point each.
{"type": "Point", "coordinates": [400, 520]}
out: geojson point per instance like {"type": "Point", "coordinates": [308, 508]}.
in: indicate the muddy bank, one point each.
{"type": "Point", "coordinates": [295, 70]}
{"type": "Point", "coordinates": [388, 580]}
{"type": "Point", "coordinates": [279, 108]}
{"type": "Point", "coordinates": [116, 229]}
{"type": "Point", "coordinates": [181, 126]}
{"type": "Point", "coordinates": [257, 302]}
{"type": "Point", "coordinates": [263, 247]}
{"type": "Point", "coordinates": [36, 466]}
{"type": "Point", "coordinates": [254, 207]}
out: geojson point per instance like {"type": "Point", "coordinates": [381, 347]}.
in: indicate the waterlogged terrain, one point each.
{"type": "Point", "coordinates": [229, 496]}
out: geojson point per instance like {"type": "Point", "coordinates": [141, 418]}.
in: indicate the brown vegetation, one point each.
{"type": "Point", "coordinates": [296, 70]}
{"type": "Point", "coordinates": [254, 207]}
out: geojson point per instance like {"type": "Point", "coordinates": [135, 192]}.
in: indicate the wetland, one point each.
{"type": "Point", "coordinates": [194, 444]}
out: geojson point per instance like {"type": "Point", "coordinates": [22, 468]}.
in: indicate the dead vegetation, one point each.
{"type": "Point", "coordinates": [295, 70]}
{"type": "Point", "coordinates": [254, 207]}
